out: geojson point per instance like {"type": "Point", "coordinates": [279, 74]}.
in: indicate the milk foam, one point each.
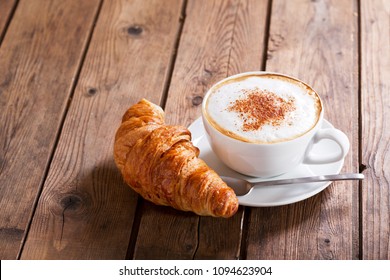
{"type": "Point", "coordinates": [301, 119]}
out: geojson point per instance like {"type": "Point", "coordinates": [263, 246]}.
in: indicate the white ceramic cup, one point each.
{"type": "Point", "coordinates": [276, 158]}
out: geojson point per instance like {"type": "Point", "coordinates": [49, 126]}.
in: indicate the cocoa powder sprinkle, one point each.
{"type": "Point", "coordinates": [260, 107]}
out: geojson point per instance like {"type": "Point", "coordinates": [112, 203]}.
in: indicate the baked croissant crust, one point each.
{"type": "Point", "coordinates": [161, 164]}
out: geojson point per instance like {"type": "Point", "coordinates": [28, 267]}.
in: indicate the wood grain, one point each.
{"type": "Point", "coordinates": [215, 36]}
{"type": "Point", "coordinates": [315, 41]}
{"type": "Point", "coordinates": [85, 210]}
{"type": "Point", "coordinates": [375, 91]}
{"type": "Point", "coordinates": [39, 61]}
{"type": "Point", "coordinates": [6, 9]}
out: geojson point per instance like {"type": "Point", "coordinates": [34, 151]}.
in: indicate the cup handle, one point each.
{"type": "Point", "coordinates": [328, 133]}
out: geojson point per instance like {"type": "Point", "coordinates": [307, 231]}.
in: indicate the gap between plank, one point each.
{"type": "Point", "coordinates": [59, 132]}
{"type": "Point", "coordinates": [242, 250]}
{"type": "Point", "coordinates": [135, 229]}
{"type": "Point", "coordinates": [8, 22]}
{"type": "Point", "coordinates": [266, 36]}
{"type": "Point", "coordinates": [197, 240]}
{"type": "Point", "coordinates": [360, 130]}
{"type": "Point", "coordinates": [175, 48]}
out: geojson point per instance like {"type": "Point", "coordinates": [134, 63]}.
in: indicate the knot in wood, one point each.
{"type": "Point", "coordinates": [197, 100]}
{"type": "Point", "coordinates": [92, 91]}
{"type": "Point", "coordinates": [135, 30]}
{"type": "Point", "coordinates": [71, 202]}
{"type": "Point", "coordinates": [208, 72]}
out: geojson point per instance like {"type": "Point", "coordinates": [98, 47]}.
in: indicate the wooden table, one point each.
{"type": "Point", "coordinates": [69, 70]}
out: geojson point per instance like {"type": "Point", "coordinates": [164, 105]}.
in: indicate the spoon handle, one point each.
{"type": "Point", "coordinates": [320, 178]}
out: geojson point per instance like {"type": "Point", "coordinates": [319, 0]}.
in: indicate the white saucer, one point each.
{"type": "Point", "coordinates": [272, 195]}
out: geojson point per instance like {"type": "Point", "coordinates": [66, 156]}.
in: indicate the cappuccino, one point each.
{"type": "Point", "coordinates": [263, 108]}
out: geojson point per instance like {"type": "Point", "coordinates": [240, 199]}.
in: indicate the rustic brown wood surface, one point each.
{"type": "Point", "coordinates": [375, 135]}
{"type": "Point", "coordinates": [39, 63]}
{"type": "Point", "coordinates": [69, 70]}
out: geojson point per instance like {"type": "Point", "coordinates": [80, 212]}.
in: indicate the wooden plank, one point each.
{"type": "Point", "coordinates": [315, 41]}
{"type": "Point", "coordinates": [6, 9]}
{"type": "Point", "coordinates": [375, 91]}
{"type": "Point", "coordinates": [39, 61]}
{"type": "Point", "coordinates": [85, 210]}
{"type": "Point", "coordinates": [219, 38]}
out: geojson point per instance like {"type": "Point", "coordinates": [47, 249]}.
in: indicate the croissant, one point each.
{"type": "Point", "coordinates": [161, 164]}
